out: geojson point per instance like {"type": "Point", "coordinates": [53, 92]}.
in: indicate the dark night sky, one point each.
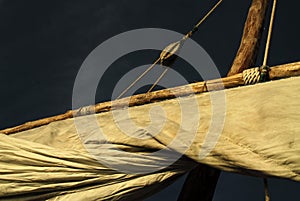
{"type": "Point", "coordinates": [43, 44]}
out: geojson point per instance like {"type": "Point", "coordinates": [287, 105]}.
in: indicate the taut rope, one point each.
{"type": "Point", "coordinates": [269, 33]}
{"type": "Point", "coordinates": [260, 74]}
{"type": "Point", "coordinates": [168, 55]}
{"type": "Point", "coordinates": [264, 74]}
{"type": "Point", "coordinates": [137, 79]}
{"type": "Point", "coordinates": [173, 48]}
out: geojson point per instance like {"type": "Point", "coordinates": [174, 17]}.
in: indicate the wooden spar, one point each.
{"type": "Point", "coordinates": [207, 176]}
{"type": "Point", "coordinates": [249, 45]}
{"type": "Point", "coordinates": [276, 72]}
{"type": "Point", "coordinates": [204, 186]}
{"type": "Point", "coordinates": [201, 181]}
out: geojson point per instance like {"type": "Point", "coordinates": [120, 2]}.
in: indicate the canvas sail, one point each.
{"type": "Point", "coordinates": [259, 137]}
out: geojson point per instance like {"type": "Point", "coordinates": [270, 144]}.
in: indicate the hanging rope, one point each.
{"type": "Point", "coordinates": [255, 75]}
{"type": "Point", "coordinates": [169, 54]}
{"type": "Point", "coordinates": [264, 74]}
{"type": "Point", "coordinates": [266, 187]}
{"type": "Point", "coordinates": [260, 74]}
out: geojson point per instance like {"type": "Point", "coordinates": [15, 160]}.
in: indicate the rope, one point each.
{"type": "Point", "coordinates": [86, 110]}
{"type": "Point", "coordinates": [137, 79]}
{"type": "Point", "coordinates": [269, 33]}
{"type": "Point", "coordinates": [173, 48]}
{"type": "Point", "coordinates": [255, 75]}
{"type": "Point", "coordinates": [264, 75]}
{"type": "Point", "coordinates": [251, 76]}
{"type": "Point", "coordinates": [158, 79]}
{"type": "Point", "coordinates": [266, 187]}
{"type": "Point", "coordinates": [195, 28]}
{"type": "Point", "coordinates": [168, 52]}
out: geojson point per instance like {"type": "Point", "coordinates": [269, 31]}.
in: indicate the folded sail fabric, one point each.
{"type": "Point", "coordinates": [131, 154]}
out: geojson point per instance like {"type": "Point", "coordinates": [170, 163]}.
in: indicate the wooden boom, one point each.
{"type": "Point", "coordinates": [276, 72]}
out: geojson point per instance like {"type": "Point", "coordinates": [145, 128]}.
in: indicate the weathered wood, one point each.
{"type": "Point", "coordinates": [245, 58]}
{"type": "Point", "coordinates": [249, 45]}
{"type": "Point", "coordinates": [276, 72]}
{"type": "Point", "coordinates": [284, 71]}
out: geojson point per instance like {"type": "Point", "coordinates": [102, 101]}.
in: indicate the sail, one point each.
{"type": "Point", "coordinates": [259, 136]}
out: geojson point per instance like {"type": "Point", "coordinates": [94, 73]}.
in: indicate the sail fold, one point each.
{"type": "Point", "coordinates": [135, 152]}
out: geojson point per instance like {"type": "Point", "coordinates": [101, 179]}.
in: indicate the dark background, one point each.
{"type": "Point", "coordinates": [43, 44]}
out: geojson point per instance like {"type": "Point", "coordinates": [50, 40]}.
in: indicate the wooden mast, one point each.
{"type": "Point", "coordinates": [247, 52]}
{"type": "Point", "coordinates": [201, 182]}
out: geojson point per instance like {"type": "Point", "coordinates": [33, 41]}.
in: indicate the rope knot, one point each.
{"type": "Point", "coordinates": [251, 76]}
{"type": "Point", "coordinates": [86, 110]}
{"type": "Point", "coordinates": [264, 73]}
{"type": "Point", "coordinates": [255, 75]}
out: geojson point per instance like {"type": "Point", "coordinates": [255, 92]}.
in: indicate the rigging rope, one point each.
{"type": "Point", "coordinates": [195, 28]}
{"type": "Point", "coordinates": [269, 33]}
{"type": "Point", "coordinates": [168, 55]}
{"type": "Point", "coordinates": [266, 186]}
{"type": "Point", "coordinates": [251, 76]}
{"type": "Point", "coordinates": [264, 74]}
{"type": "Point", "coordinates": [260, 74]}
{"type": "Point", "coordinates": [255, 75]}
{"type": "Point", "coordinates": [172, 49]}
{"type": "Point", "coordinates": [158, 79]}
{"type": "Point", "coordinates": [137, 79]}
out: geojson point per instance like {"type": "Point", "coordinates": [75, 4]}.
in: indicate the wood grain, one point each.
{"type": "Point", "coordinates": [247, 52]}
